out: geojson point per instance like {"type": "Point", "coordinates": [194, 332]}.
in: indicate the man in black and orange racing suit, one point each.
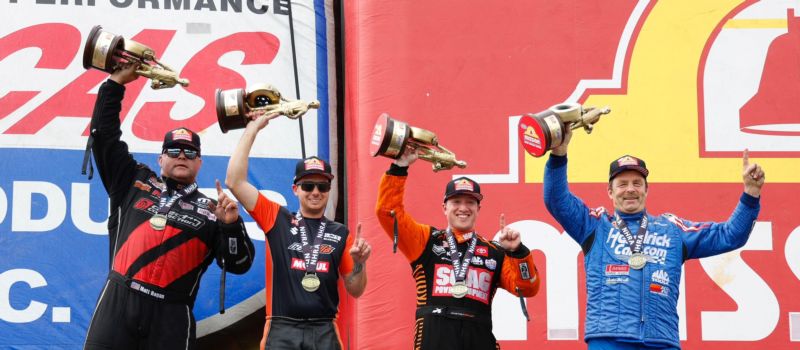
{"type": "Point", "coordinates": [307, 254]}
{"type": "Point", "coordinates": [163, 234]}
{"type": "Point", "coordinates": [454, 303]}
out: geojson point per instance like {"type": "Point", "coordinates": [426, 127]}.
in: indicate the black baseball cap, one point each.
{"type": "Point", "coordinates": [312, 165]}
{"type": "Point", "coordinates": [181, 137]}
{"type": "Point", "coordinates": [463, 185]}
{"type": "Point", "coordinates": [627, 162]}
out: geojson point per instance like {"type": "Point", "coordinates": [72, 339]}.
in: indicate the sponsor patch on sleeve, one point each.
{"type": "Point", "coordinates": [524, 271]}
{"type": "Point", "coordinates": [233, 246]}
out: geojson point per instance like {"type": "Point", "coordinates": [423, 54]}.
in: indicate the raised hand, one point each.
{"type": "Point", "coordinates": [126, 73]}
{"type": "Point", "coordinates": [408, 157]}
{"type": "Point", "coordinates": [361, 249]}
{"type": "Point", "coordinates": [259, 119]}
{"type": "Point", "coordinates": [752, 175]}
{"type": "Point", "coordinates": [561, 150]}
{"type": "Point", "coordinates": [509, 237]}
{"type": "Point", "coordinates": [226, 209]}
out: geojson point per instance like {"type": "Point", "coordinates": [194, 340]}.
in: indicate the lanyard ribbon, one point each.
{"type": "Point", "coordinates": [460, 266]}
{"type": "Point", "coordinates": [166, 202]}
{"type": "Point", "coordinates": [310, 254]}
{"type": "Point", "coordinates": [635, 243]}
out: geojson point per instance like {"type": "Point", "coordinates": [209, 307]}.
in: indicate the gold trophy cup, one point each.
{"type": "Point", "coordinates": [544, 131]}
{"type": "Point", "coordinates": [234, 104]}
{"type": "Point", "coordinates": [390, 138]}
{"type": "Point", "coordinates": [106, 51]}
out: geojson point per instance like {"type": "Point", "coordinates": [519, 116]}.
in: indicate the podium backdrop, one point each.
{"type": "Point", "coordinates": [690, 85]}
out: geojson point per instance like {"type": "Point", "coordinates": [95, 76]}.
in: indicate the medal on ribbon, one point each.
{"type": "Point", "coordinates": [460, 289]}
{"type": "Point", "coordinates": [310, 281]}
{"type": "Point", "coordinates": [637, 260]}
{"type": "Point", "coordinates": [159, 221]}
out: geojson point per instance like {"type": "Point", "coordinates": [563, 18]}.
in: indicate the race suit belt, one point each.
{"type": "Point", "coordinates": [454, 312]}
{"type": "Point", "coordinates": [148, 289]}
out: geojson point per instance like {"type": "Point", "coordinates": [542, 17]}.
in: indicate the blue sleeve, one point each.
{"type": "Point", "coordinates": [711, 238]}
{"type": "Point", "coordinates": [569, 210]}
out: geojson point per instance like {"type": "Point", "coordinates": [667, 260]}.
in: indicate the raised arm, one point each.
{"type": "Point", "coordinates": [236, 176]}
{"type": "Point", "coordinates": [355, 266]}
{"type": "Point", "coordinates": [712, 238]}
{"type": "Point", "coordinates": [518, 274]}
{"type": "Point", "coordinates": [412, 236]}
{"type": "Point", "coordinates": [115, 164]}
{"type": "Point", "coordinates": [569, 210]}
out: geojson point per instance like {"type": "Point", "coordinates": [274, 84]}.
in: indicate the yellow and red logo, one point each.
{"type": "Point", "coordinates": [182, 134]}
{"type": "Point", "coordinates": [464, 185]}
{"type": "Point", "coordinates": [314, 164]}
{"type": "Point", "coordinates": [627, 160]}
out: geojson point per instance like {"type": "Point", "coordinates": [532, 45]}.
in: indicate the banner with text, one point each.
{"type": "Point", "coordinates": [689, 84]}
{"type": "Point", "coordinates": [53, 234]}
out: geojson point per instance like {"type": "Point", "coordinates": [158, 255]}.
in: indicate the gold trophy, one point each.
{"type": "Point", "coordinates": [544, 131]}
{"type": "Point", "coordinates": [233, 105]}
{"type": "Point", "coordinates": [391, 137]}
{"type": "Point", "coordinates": [107, 51]}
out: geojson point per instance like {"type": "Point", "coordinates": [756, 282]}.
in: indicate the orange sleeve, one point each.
{"type": "Point", "coordinates": [512, 275]}
{"type": "Point", "coordinates": [411, 235]}
{"type": "Point", "coordinates": [265, 213]}
{"type": "Point", "coordinates": [346, 265]}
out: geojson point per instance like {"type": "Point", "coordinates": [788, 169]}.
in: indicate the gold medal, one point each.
{"type": "Point", "coordinates": [460, 290]}
{"type": "Point", "coordinates": [158, 222]}
{"type": "Point", "coordinates": [637, 261]}
{"type": "Point", "coordinates": [310, 282]}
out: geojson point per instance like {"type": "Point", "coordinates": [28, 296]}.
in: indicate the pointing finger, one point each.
{"type": "Point", "coordinates": [219, 187]}
{"type": "Point", "coordinates": [358, 231]}
{"type": "Point", "coordinates": [502, 221]}
{"type": "Point", "coordinates": [746, 159]}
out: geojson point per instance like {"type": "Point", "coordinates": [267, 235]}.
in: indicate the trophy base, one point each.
{"type": "Point", "coordinates": [100, 48]}
{"type": "Point", "coordinates": [541, 132]}
{"type": "Point", "coordinates": [230, 109]}
{"type": "Point", "coordinates": [389, 137]}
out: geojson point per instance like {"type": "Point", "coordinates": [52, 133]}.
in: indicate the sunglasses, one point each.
{"type": "Point", "coordinates": [323, 187]}
{"type": "Point", "coordinates": [175, 152]}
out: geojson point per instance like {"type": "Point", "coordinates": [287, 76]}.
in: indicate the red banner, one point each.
{"type": "Point", "coordinates": [469, 72]}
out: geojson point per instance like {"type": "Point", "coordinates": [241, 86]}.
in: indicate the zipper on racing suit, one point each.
{"type": "Point", "coordinates": [643, 294]}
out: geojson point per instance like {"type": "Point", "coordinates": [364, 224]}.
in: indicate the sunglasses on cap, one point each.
{"type": "Point", "coordinates": [323, 187]}
{"type": "Point", "coordinates": [175, 152]}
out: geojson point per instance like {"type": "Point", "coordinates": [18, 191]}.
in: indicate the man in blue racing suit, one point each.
{"type": "Point", "coordinates": [632, 258]}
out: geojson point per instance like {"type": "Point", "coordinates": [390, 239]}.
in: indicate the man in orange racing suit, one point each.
{"type": "Point", "coordinates": [455, 287]}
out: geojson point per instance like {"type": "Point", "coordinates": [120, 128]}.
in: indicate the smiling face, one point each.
{"type": "Point", "coordinates": [461, 212]}
{"type": "Point", "coordinates": [312, 203]}
{"type": "Point", "coordinates": [628, 191]}
{"type": "Point", "coordinates": [181, 169]}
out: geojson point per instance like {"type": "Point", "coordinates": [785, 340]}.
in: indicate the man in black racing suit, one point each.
{"type": "Point", "coordinates": [163, 234]}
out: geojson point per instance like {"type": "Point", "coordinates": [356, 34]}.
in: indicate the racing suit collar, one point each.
{"type": "Point", "coordinates": [461, 236]}
{"type": "Point", "coordinates": [631, 217]}
{"type": "Point", "coordinates": [172, 184]}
